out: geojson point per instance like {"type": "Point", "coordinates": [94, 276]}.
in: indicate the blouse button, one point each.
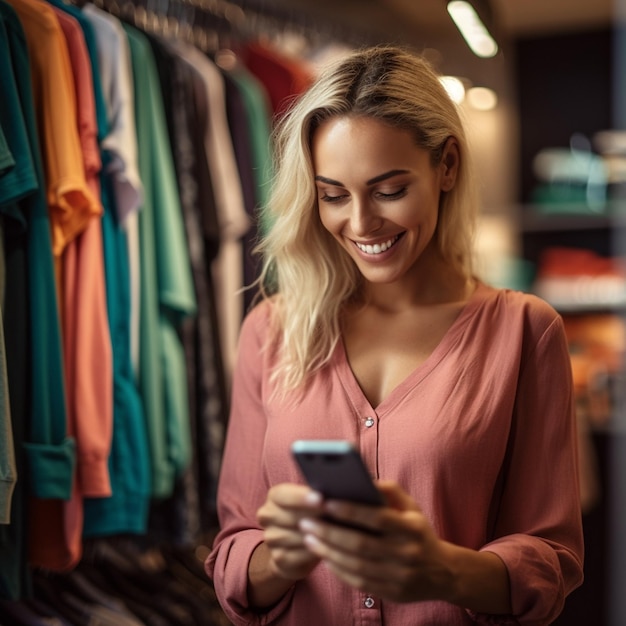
{"type": "Point", "coordinates": [369, 422]}
{"type": "Point", "coordinates": [369, 602]}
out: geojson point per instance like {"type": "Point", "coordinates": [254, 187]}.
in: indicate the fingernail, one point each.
{"type": "Point", "coordinates": [333, 506]}
{"type": "Point", "coordinates": [313, 497]}
{"type": "Point", "coordinates": [307, 525]}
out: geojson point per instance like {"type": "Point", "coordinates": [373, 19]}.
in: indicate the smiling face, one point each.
{"type": "Point", "coordinates": [378, 195]}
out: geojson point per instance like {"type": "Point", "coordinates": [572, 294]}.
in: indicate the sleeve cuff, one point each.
{"type": "Point", "coordinates": [51, 468]}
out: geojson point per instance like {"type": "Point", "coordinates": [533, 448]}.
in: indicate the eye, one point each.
{"type": "Point", "coordinates": [396, 195]}
{"type": "Point", "coordinates": [332, 199]}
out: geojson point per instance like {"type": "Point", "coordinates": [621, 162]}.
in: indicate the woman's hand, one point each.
{"type": "Point", "coordinates": [283, 557]}
{"type": "Point", "coordinates": [402, 559]}
{"type": "Point", "coordinates": [286, 505]}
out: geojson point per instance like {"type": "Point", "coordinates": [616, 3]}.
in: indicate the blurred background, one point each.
{"type": "Point", "coordinates": [541, 85]}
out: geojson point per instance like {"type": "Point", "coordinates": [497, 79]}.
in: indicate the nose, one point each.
{"type": "Point", "coordinates": [364, 219]}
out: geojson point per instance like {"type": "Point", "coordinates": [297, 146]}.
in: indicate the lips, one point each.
{"type": "Point", "coordinates": [377, 248]}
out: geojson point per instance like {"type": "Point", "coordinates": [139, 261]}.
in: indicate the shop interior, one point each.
{"type": "Point", "coordinates": [546, 114]}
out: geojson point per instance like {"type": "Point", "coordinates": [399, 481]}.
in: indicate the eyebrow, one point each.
{"type": "Point", "coordinates": [371, 181]}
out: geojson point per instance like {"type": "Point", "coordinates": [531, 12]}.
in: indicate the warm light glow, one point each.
{"type": "Point", "coordinates": [454, 87]}
{"type": "Point", "coordinates": [472, 28]}
{"type": "Point", "coordinates": [482, 98]}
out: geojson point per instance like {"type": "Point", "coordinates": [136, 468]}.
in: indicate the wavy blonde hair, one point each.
{"type": "Point", "coordinates": [306, 271]}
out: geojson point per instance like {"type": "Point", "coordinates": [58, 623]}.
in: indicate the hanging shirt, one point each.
{"type": "Point", "coordinates": [192, 510]}
{"type": "Point", "coordinates": [250, 127]}
{"type": "Point", "coordinates": [120, 143]}
{"type": "Point", "coordinates": [18, 120]}
{"type": "Point", "coordinates": [86, 340]}
{"type": "Point", "coordinates": [51, 454]}
{"type": "Point", "coordinates": [167, 295]}
{"type": "Point", "coordinates": [126, 510]}
{"type": "Point", "coordinates": [18, 177]}
{"type": "Point", "coordinates": [56, 533]}
{"type": "Point", "coordinates": [284, 78]}
{"type": "Point", "coordinates": [71, 204]}
{"type": "Point", "coordinates": [472, 434]}
{"type": "Point", "coordinates": [234, 222]}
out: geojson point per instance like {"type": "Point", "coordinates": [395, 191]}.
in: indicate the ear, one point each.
{"type": "Point", "coordinates": [449, 163]}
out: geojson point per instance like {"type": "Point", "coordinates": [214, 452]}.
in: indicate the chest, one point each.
{"type": "Point", "coordinates": [383, 350]}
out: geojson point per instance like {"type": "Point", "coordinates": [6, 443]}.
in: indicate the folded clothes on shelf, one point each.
{"type": "Point", "coordinates": [574, 279]}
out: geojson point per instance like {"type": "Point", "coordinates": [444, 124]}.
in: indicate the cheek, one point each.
{"type": "Point", "coordinates": [329, 222]}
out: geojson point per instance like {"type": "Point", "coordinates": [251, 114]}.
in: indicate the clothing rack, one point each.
{"type": "Point", "coordinates": [213, 24]}
{"type": "Point", "coordinates": [185, 516]}
{"type": "Point", "coordinates": [208, 25]}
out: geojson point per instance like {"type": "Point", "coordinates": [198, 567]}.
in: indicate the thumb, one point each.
{"type": "Point", "coordinates": [396, 497]}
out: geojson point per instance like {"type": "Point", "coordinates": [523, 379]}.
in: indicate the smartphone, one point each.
{"type": "Point", "coordinates": [335, 469]}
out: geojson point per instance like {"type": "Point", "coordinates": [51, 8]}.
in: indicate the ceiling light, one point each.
{"type": "Point", "coordinates": [455, 88]}
{"type": "Point", "coordinates": [472, 28]}
{"type": "Point", "coordinates": [482, 98]}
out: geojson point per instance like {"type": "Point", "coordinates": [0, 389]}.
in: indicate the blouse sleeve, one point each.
{"type": "Point", "coordinates": [538, 530]}
{"type": "Point", "coordinates": [242, 485]}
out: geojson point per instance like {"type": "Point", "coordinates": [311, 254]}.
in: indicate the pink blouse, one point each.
{"type": "Point", "coordinates": [482, 435]}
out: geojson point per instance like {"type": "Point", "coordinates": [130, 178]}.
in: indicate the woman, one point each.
{"type": "Point", "coordinates": [457, 395]}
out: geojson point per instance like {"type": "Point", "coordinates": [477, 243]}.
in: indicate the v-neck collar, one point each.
{"type": "Point", "coordinates": [448, 341]}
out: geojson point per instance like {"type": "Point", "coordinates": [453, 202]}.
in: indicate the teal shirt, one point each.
{"type": "Point", "coordinates": [14, 571]}
{"type": "Point", "coordinates": [167, 293]}
{"type": "Point", "coordinates": [51, 453]}
{"type": "Point", "coordinates": [20, 180]}
{"type": "Point", "coordinates": [40, 422]}
{"type": "Point", "coordinates": [126, 510]}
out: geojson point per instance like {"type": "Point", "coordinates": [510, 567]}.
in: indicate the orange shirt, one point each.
{"type": "Point", "coordinates": [71, 203]}
{"type": "Point", "coordinates": [86, 336]}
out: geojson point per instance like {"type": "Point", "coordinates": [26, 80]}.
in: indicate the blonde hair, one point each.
{"type": "Point", "coordinates": [309, 274]}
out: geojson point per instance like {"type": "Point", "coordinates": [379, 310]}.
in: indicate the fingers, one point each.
{"type": "Point", "coordinates": [371, 564]}
{"type": "Point", "coordinates": [289, 555]}
{"type": "Point", "coordinates": [398, 540]}
{"type": "Point", "coordinates": [286, 504]}
{"type": "Point", "coordinates": [378, 520]}
{"type": "Point", "coordinates": [296, 496]}
{"type": "Point", "coordinates": [394, 564]}
{"type": "Point", "coordinates": [356, 536]}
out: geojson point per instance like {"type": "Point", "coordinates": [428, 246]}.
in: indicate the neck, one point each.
{"type": "Point", "coordinates": [438, 286]}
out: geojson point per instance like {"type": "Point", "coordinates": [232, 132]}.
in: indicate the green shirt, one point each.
{"type": "Point", "coordinates": [167, 294]}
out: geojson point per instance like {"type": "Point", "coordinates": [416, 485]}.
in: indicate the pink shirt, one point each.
{"type": "Point", "coordinates": [482, 435]}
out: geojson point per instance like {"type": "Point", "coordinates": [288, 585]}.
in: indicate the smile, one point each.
{"type": "Point", "coordinates": [377, 248]}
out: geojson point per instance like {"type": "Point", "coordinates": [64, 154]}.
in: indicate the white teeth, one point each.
{"type": "Point", "coordinates": [377, 248]}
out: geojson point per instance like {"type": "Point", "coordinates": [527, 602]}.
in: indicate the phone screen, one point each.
{"type": "Point", "coordinates": [336, 469]}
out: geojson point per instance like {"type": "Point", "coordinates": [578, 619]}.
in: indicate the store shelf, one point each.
{"type": "Point", "coordinates": [583, 294]}
{"type": "Point", "coordinates": [534, 218]}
